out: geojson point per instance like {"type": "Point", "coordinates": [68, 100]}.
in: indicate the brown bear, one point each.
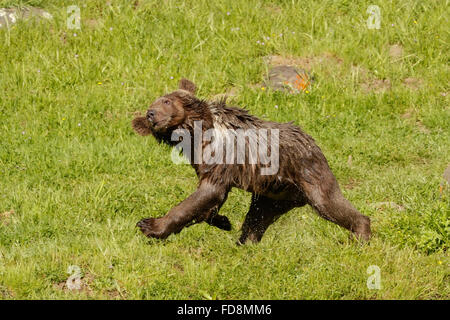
{"type": "Point", "coordinates": [296, 174]}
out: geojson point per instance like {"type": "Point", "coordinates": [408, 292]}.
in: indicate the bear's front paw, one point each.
{"type": "Point", "coordinates": [152, 228]}
{"type": "Point", "coordinates": [220, 222]}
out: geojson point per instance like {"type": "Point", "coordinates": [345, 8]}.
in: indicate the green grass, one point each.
{"type": "Point", "coordinates": [78, 178]}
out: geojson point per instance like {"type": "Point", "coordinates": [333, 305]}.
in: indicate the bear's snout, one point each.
{"type": "Point", "coordinates": [151, 116]}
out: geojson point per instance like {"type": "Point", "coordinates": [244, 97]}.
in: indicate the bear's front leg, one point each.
{"type": "Point", "coordinates": [198, 206]}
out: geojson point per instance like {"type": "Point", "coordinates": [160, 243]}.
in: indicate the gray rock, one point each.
{"type": "Point", "coordinates": [289, 79]}
{"type": "Point", "coordinates": [10, 16]}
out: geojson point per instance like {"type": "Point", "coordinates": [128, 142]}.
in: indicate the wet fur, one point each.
{"type": "Point", "coordinates": [304, 176]}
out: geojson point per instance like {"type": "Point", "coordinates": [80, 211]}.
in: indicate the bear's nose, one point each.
{"type": "Point", "coordinates": [151, 115]}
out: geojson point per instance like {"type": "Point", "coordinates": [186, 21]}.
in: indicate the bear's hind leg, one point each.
{"type": "Point", "coordinates": [263, 212]}
{"type": "Point", "coordinates": [331, 205]}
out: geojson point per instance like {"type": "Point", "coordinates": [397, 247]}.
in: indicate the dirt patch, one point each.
{"type": "Point", "coordinates": [118, 292]}
{"type": "Point", "coordinates": [92, 23]}
{"type": "Point", "coordinates": [272, 8]}
{"type": "Point", "coordinates": [115, 294]}
{"type": "Point", "coordinates": [83, 286]}
{"type": "Point", "coordinates": [408, 114]}
{"type": "Point", "coordinates": [369, 81]}
{"type": "Point", "coordinates": [413, 83]}
{"type": "Point", "coordinates": [411, 116]}
{"type": "Point", "coordinates": [6, 293]}
{"type": "Point", "coordinates": [351, 184]}
{"type": "Point", "coordinates": [447, 174]}
{"type": "Point", "coordinates": [306, 63]}
{"type": "Point", "coordinates": [5, 217]}
{"type": "Point", "coordinates": [288, 79]}
{"type": "Point", "coordinates": [387, 204]}
{"type": "Point", "coordinates": [294, 74]}
{"type": "Point", "coordinates": [177, 266]}
{"type": "Point", "coordinates": [422, 128]}
{"type": "Point", "coordinates": [332, 65]}
{"type": "Point", "coordinates": [395, 51]}
{"type": "Point", "coordinates": [376, 85]}
{"type": "Point", "coordinates": [196, 253]}
{"type": "Point", "coordinates": [359, 72]}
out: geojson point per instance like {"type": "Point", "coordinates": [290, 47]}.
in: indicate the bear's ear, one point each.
{"type": "Point", "coordinates": [187, 85]}
{"type": "Point", "coordinates": [141, 126]}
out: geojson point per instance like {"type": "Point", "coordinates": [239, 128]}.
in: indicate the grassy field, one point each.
{"type": "Point", "coordinates": [75, 178]}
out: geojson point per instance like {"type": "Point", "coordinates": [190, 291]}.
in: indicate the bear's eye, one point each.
{"type": "Point", "coordinates": [167, 101]}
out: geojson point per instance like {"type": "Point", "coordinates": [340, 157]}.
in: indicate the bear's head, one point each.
{"type": "Point", "coordinates": [168, 111]}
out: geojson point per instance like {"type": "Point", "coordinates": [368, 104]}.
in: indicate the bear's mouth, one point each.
{"type": "Point", "coordinates": [161, 125]}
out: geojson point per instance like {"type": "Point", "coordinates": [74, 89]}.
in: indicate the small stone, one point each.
{"type": "Point", "coordinates": [447, 174]}
{"type": "Point", "coordinates": [288, 78]}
